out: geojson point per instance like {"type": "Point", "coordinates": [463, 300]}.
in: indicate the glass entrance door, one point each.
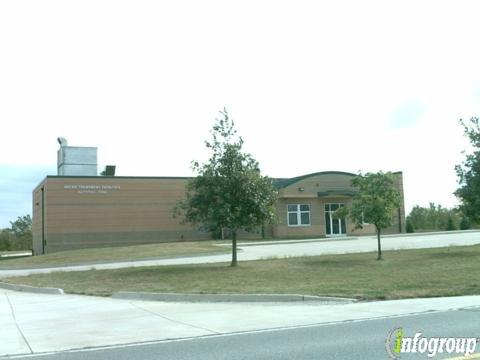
{"type": "Point", "coordinates": [333, 226]}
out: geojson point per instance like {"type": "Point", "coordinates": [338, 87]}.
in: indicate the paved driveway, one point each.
{"type": "Point", "coordinates": [35, 323]}
{"type": "Point", "coordinates": [285, 249]}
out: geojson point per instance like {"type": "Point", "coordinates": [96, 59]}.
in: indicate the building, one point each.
{"type": "Point", "coordinates": [73, 212]}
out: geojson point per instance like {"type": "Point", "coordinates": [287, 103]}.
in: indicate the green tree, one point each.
{"type": "Point", "coordinates": [468, 173]}
{"type": "Point", "coordinates": [21, 233]}
{"type": "Point", "coordinates": [464, 224]}
{"type": "Point", "coordinates": [22, 226]}
{"type": "Point", "coordinates": [229, 191]}
{"type": "Point", "coordinates": [450, 225]}
{"type": "Point", "coordinates": [375, 202]}
{"type": "Point", "coordinates": [433, 218]}
{"type": "Point", "coordinates": [418, 217]}
{"type": "Point", "coordinates": [5, 243]}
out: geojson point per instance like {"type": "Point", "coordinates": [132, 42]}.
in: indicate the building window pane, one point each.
{"type": "Point", "coordinates": [304, 207]}
{"type": "Point", "coordinates": [292, 219]}
{"type": "Point", "coordinates": [327, 222]}
{"type": "Point", "coordinates": [292, 207]}
{"type": "Point", "coordinates": [305, 218]}
{"type": "Point", "coordinates": [335, 229]}
{"type": "Point", "coordinates": [343, 226]}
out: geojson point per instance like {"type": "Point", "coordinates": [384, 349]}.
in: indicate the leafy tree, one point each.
{"type": "Point", "coordinates": [418, 217]}
{"type": "Point", "coordinates": [229, 191]}
{"type": "Point", "coordinates": [21, 233]}
{"type": "Point", "coordinates": [464, 223]}
{"type": "Point", "coordinates": [432, 218]}
{"type": "Point", "coordinates": [469, 173]}
{"type": "Point", "coordinates": [19, 236]}
{"type": "Point", "coordinates": [375, 202]}
{"type": "Point", "coordinates": [5, 243]}
{"type": "Point", "coordinates": [22, 226]}
{"type": "Point", "coordinates": [450, 225]}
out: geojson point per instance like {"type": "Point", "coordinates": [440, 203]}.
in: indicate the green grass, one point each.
{"type": "Point", "coordinates": [403, 274]}
{"type": "Point", "coordinates": [112, 254]}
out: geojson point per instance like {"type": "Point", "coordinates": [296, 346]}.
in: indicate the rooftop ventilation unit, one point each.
{"type": "Point", "coordinates": [76, 160]}
{"type": "Point", "coordinates": [109, 170]}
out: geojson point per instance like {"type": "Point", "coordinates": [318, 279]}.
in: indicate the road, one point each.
{"type": "Point", "coordinates": [364, 339]}
{"type": "Point", "coordinates": [41, 323]}
{"type": "Point", "coordinates": [279, 249]}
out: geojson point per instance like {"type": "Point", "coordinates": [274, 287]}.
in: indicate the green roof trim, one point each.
{"type": "Point", "coordinates": [283, 183]}
{"type": "Point", "coordinates": [345, 192]}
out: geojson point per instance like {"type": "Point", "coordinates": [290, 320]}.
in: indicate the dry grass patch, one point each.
{"type": "Point", "coordinates": [403, 274]}
{"type": "Point", "coordinates": [112, 254]}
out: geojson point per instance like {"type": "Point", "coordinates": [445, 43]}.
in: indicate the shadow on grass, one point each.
{"type": "Point", "coordinates": [450, 254]}
{"type": "Point", "coordinates": [333, 262]}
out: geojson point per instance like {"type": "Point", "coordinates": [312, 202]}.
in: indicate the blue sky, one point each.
{"type": "Point", "coordinates": [313, 86]}
{"type": "Point", "coordinates": [16, 185]}
{"type": "Point", "coordinates": [408, 114]}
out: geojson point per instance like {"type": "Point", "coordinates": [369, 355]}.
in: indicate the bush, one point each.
{"type": "Point", "coordinates": [465, 223]}
{"type": "Point", "coordinates": [434, 218]}
{"type": "Point", "coordinates": [450, 225]}
{"type": "Point", "coordinates": [5, 243]}
{"type": "Point", "coordinates": [409, 227]}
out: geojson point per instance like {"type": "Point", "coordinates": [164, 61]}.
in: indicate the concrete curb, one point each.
{"type": "Point", "coordinates": [287, 242]}
{"type": "Point", "coordinates": [174, 297]}
{"type": "Point", "coordinates": [32, 289]}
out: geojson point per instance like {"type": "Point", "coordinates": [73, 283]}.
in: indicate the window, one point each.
{"type": "Point", "coordinates": [298, 215]}
{"type": "Point", "coordinates": [364, 220]}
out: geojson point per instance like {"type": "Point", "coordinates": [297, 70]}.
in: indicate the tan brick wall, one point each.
{"type": "Point", "coordinates": [102, 211]}
{"type": "Point", "coordinates": [305, 191]}
{"type": "Point", "coordinates": [316, 228]}
{"type": "Point", "coordinates": [37, 219]}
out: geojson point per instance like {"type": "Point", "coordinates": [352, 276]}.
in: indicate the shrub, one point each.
{"type": "Point", "coordinates": [465, 223]}
{"type": "Point", "coordinates": [409, 227]}
{"type": "Point", "coordinates": [450, 225]}
{"type": "Point", "coordinates": [5, 243]}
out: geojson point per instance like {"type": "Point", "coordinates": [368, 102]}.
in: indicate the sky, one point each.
{"type": "Point", "coordinates": [311, 85]}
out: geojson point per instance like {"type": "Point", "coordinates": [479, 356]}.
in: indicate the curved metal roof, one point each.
{"type": "Point", "coordinates": [282, 183]}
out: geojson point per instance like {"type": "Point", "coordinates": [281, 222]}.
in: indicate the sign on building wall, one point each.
{"type": "Point", "coordinates": [92, 188]}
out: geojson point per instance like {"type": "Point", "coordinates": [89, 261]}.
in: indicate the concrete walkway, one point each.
{"type": "Point", "coordinates": [281, 249]}
{"type": "Point", "coordinates": [35, 323]}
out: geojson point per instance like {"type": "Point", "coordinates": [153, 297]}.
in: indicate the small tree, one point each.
{"type": "Point", "coordinates": [229, 190]}
{"type": "Point", "coordinates": [469, 173]}
{"type": "Point", "coordinates": [21, 233]}
{"type": "Point", "coordinates": [464, 224]}
{"type": "Point", "coordinates": [375, 202]}
{"type": "Point", "coordinates": [450, 225]}
{"type": "Point", "coordinates": [432, 218]}
{"type": "Point", "coordinates": [5, 243]}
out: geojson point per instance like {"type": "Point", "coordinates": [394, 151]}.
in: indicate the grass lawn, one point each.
{"type": "Point", "coordinates": [124, 253]}
{"type": "Point", "coordinates": [403, 274]}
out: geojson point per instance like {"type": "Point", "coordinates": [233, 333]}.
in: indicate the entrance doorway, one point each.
{"type": "Point", "coordinates": [333, 226]}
